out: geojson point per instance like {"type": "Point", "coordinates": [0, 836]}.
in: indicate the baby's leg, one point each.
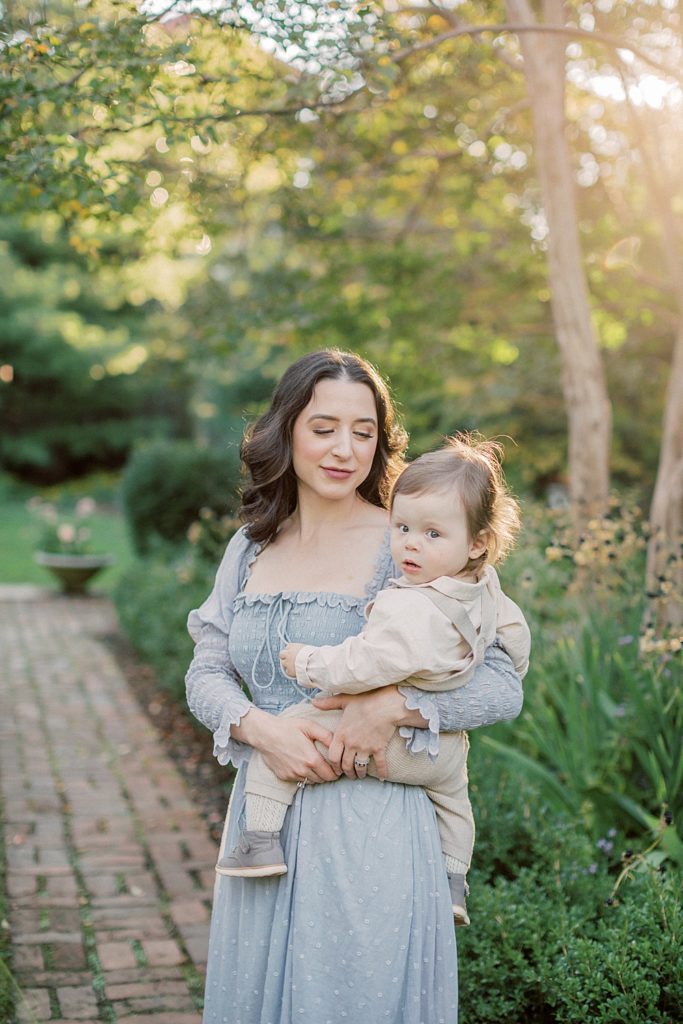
{"type": "Point", "coordinates": [267, 796]}
{"type": "Point", "coordinates": [445, 783]}
{"type": "Point", "coordinates": [259, 852]}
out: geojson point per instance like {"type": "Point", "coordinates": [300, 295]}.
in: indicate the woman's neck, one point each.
{"type": "Point", "coordinates": [314, 515]}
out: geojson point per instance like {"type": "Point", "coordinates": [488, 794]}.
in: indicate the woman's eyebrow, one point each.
{"type": "Point", "coordinates": [335, 419]}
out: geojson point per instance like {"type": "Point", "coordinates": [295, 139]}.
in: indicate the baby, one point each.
{"type": "Point", "coordinates": [452, 519]}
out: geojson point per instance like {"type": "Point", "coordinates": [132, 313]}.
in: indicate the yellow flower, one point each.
{"type": "Point", "coordinates": [553, 554]}
{"type": "Point", "coordinates": [194, 533]}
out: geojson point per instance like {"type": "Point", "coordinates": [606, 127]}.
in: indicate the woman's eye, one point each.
{"type": "Point", "coordinates": [322, 431]}
{"type": "Point", "coordinates": [366, 437]}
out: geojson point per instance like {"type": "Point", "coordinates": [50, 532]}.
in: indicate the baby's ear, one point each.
{"type": "Point", "coordinates": [479, 545]}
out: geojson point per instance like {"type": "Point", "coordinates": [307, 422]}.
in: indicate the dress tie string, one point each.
{"type": "Point", "coordinates": [281, 607]}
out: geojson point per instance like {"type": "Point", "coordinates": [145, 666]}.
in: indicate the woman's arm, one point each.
{"type": "Point", "coordinates": [494, 694]}
{"type": "Point", "coordinates": [287, 745]}
{"type": "Point", "coordinates": [213, 686]}
{"type": "Point", "coordinates": [215, 695]}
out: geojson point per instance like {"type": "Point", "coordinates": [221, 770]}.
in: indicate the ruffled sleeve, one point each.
{"type": "Point", "coordinates": [493, 694]}
{"type": "Point", "coordinates": [214, 689]}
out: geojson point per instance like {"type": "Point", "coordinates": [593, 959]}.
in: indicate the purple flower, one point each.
{"type": "Point", "coordinates": [624, 640]}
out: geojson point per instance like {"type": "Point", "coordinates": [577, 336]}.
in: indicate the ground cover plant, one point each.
{"type": "Point", "coordinates": [551, 942]}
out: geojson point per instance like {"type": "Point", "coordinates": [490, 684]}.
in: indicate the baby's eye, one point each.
{"type": "Point", "coordinates": [433, 534]}
{"type": "Point", "coordinates": [401, 527]}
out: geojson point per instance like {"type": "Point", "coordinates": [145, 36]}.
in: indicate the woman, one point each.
{"type": "Point", "coordinates": [360, 928]}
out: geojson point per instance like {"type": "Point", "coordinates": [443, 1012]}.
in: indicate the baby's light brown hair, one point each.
{"type": "Point", "coordinates": [469, 466]}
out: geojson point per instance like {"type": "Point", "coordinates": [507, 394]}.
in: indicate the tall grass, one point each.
{"type": "Point", "coordinates": [601, 733]}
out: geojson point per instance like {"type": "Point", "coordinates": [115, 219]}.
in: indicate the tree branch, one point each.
{"type": "Point", "coordinates": [611, 42]}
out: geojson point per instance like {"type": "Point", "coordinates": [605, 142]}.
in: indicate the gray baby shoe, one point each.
{"type": "Point", "coordinates": [257, 855]}
{"type": "Point", "coordinates": [459, 889]}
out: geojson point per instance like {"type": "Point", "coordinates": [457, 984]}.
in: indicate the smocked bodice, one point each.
{"type": "Point", "coordinates": [264, 623]}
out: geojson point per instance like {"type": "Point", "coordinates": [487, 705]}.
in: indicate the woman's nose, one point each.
{"type": "Point", "coordinates": [342, 446]}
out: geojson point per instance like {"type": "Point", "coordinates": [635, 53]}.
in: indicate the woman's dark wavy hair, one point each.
{"type": "Point", "coordinates": [266, 452]}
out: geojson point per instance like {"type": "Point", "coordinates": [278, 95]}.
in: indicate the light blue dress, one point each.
{"type": "Point", "coordinates": [360, 928]}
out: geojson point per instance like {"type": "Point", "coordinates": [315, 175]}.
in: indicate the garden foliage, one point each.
{"type": "Point", "coordinates": [601, 733]}
{"type": "Point", "coordinates": [403, 222]}
{"type": "Point", "coordinates": [167, 483]}
{"type": "Point", "coordinates": [155, 594]}
{"type": "Point", "coordinates": [548, 943]}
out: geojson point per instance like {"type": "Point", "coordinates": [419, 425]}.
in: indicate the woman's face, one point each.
{"type": "Point", "coordinates": [334, 439]}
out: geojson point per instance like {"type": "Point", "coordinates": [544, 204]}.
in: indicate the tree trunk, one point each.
{"type": "Point", "coordinates": [664, 571]}
{"type": "Point", "coordinates": [585, 392]}
{"type": "Point", "coordinates": [665, 550]}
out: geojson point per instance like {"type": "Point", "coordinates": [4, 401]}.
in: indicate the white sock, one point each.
{"type": "Point", "coordinates": [455, 866]}
{"type": "Point", "coordinates": [265, 814]}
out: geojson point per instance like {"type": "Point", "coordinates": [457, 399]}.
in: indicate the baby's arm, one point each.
{"type": "Point", "coordinates": [398, 642]}
{"type": "Point", "coordinates": [513, 632]}
{"type": "Point", "coordinates": [354, 666]}
{"type": "Point", "coordinates": [288, 659]}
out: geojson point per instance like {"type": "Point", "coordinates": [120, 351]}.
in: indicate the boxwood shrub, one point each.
{"type": "Point", "coordinates": [166, 484]}
{"type": "Point", "coordinates": [547, 944]}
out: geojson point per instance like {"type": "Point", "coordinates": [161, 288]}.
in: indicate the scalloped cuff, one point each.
{"type": "Point", "coordinates": [416, 739]}
{"type": "Point", "coordinates": [225, 747]}
{"type": "Point", "coordinates": [301, 664]}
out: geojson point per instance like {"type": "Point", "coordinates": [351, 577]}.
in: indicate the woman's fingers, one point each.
{"type": "Point", "coordinates": [293, 755]}
{"type": "Point", "coordinates": [316, 731]}
{"type": "Point", "coordinates": [322, 771]}
{"type": "Point", "coordinates": [360, 764]}
{"type": "Point", "coordinates": [339, 701]}
{"type": "Point", "coordinates": [380, 764]}
{"type": "Point", "coordinates": [347, 763]}
{"type": "Point", "coordinates": [368, 724]}
{"type": "Point", "coordinates": [335, 754]}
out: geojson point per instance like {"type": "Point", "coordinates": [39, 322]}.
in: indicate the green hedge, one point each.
{"type": "Point", "coordinates": [153, 600]}
{"type": "Point", "coordinates": [166, 484]}
{"type": "Point", "coordinates": [545, 946]}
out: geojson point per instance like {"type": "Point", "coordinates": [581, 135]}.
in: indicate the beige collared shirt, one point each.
{"type": "Point", "coordinates": [408, 638]}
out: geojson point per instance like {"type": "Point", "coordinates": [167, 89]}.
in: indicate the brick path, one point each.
{"type": "Point", "coordinates": [109, 866]}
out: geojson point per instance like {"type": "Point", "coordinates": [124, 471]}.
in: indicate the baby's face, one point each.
{"type": "Point", "coordinates": [429, 536]}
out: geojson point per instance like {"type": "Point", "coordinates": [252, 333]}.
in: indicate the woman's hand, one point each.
{"type": "Point", "coordinates": [287, 745]}
{"type": "Point", "coordinates": [367, 725]}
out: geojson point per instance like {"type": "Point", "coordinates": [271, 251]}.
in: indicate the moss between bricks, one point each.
{"type": "Point", "coordinates": [7, 983]}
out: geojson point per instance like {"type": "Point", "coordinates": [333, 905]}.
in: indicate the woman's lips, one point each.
{"type": "Point", "coordinates": [337, 474]}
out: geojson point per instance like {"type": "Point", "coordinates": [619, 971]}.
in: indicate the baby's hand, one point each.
{"type": "Point", "coordinates": [288, 659]}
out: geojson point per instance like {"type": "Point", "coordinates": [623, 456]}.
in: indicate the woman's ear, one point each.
{"type": "Point", "coordinates": [479, 545]}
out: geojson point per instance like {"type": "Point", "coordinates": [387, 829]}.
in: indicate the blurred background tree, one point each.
{"type": "Point", "coordinates": [87, 378]}
{"type": "Point", "coordinates": [258, 179]}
